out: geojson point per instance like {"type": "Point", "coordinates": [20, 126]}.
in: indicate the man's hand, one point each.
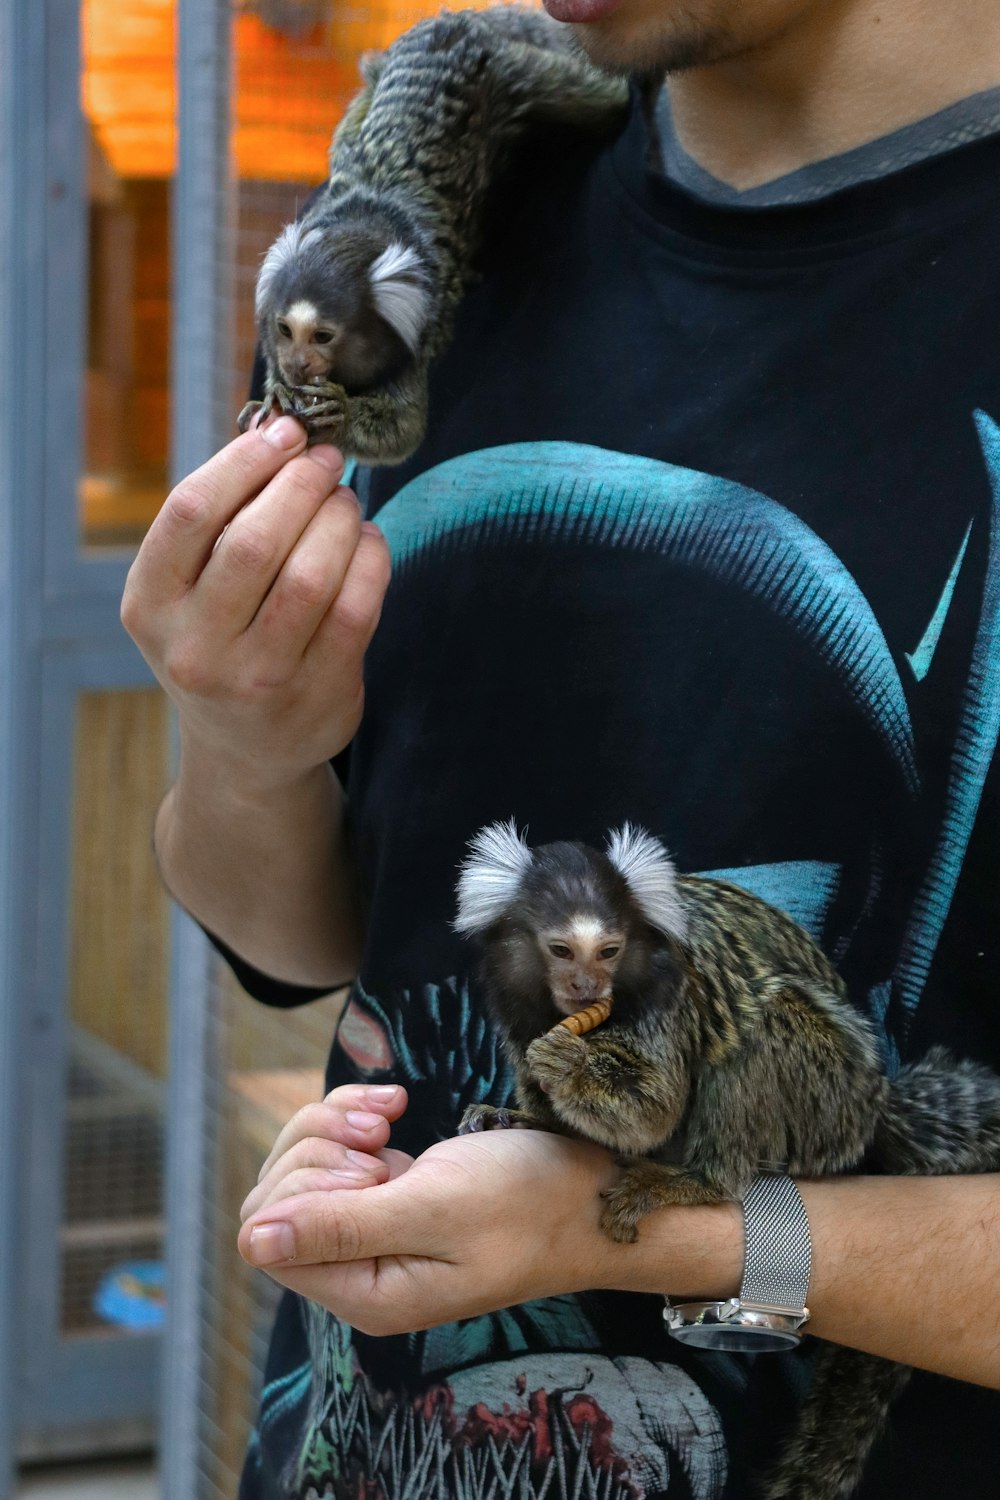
{"type": "Point", "coordinates": [254, 597]}
{"type": "Point", "coordinates": [472, 1225]}
{"type": "Point", "coordinates": [339, 1143]}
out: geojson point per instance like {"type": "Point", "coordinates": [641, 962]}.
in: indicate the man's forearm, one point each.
{"type": "Point", "coordinates": [267, 871]}
{"type": "Point", "coordinates": [906, 1267]}
{"type": "Point", "coordinates": [903, 1267]}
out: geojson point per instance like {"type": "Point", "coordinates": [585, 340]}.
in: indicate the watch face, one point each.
{"type": "Point", "coordinates": [716, 1325]}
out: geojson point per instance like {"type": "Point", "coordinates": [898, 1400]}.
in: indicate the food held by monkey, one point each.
{"type": "Point", "coordinates": [582, 1021]}
{"type": "Point", "coordinates": [732, 1044]}
{"type": "Point", "coordinates": [356, 299]}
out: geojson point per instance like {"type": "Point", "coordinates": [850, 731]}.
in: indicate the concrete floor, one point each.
{"type": "Point", "coordinates": [105, 1481]}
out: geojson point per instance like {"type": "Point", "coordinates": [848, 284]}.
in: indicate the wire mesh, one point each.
{"type": "Point", "coordinates": [272, 1064]}
{"type": "Point", "coordinates": [111, 1239]}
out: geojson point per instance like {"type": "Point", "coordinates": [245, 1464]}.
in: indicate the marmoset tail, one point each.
{"type": "Point", "coordinates": [731, 1045]}
{"type": "Point", "coordinates": [357, 299]}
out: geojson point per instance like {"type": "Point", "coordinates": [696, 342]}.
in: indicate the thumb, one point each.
{"type": "Point", "coordinates": [323, 1227]}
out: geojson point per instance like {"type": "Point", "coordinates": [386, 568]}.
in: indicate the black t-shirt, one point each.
{"type": "Point", "coordinates": [705, 536]}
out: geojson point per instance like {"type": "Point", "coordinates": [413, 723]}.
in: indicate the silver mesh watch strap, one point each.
{"type": "Point", "coordinates": [771, 1308]}
{"type": "Point", "coordinates": [777, 1246]}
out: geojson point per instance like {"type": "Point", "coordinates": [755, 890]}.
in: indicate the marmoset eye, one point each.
{"type": "Point", "coordinates": [284, 329]}
{"type": "Point", "coordinates": [560, 950]}
{"type": "Point", "coordinates": [321, 336]}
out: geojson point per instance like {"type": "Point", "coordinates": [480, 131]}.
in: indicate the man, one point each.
{"type": "Point", "coordinates": [704, 535]}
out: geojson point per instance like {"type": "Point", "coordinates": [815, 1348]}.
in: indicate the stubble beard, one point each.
{"type": "Point", "coordinates": [683, 41]}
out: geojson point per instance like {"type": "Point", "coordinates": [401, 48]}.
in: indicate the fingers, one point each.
{"type": "Point", "coordinates": [260, 538]}
{"type": "Point", "coordinates": [341, 1226]}
{"type": "Point", "coordinates": [180, 541]}
{"type": "Point", "coordinates": [355, 1116]}
{"type": "Point", "coordinates": [343, 1169]}
{"type": "Point", "coordinates": [315, 1165]}
{"type": "Point", "coordinates": [354, 614]}
{"type": "Point", "coordinates": [310, 579]}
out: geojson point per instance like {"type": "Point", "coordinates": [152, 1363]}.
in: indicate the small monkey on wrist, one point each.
{"type": "Point", "coordinates": [732, 1045]}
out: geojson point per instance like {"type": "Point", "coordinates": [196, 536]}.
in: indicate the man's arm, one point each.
{"type": "Point", "coordinates": [254, 597]}
{"type": "Point", "coordinates": [903, 1267]}
{"type": "Point", "coordinates": [267, 870]}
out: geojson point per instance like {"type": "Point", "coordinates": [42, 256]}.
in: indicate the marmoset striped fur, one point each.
{"type": "Point", "coordinates": [356, 299]}
{"type": "Point", "coordinates": [731, 1046]}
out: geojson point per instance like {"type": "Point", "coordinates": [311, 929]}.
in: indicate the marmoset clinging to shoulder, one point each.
{"type": "Point", "coordinates": [731, 1045]}
{"type": "Point", "coordinates": [357, 299]}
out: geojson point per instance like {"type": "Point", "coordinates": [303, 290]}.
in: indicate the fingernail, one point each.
{"type": "Point", "coordinates": [284, 433]}
{"type": "Point", "coordinates": [345, 1174]}
{"type": "Point", "coordinates": [360, 1159]}
{"type": "Point", "coordinates": [361, 1120]}
{"type": "Point", "coordinates": [329, 457]}
{"type": "Point", "coordinates": [270, 1243]}
{"type": "Point", "coordinates": [382, 1092]}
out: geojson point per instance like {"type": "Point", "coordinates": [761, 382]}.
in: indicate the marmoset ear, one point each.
{"type": "Point", "coordinates": [491, 876]}
{"type": "Point", "coordinates": [651, 877]}
{"type": "Point", "coordinates": [292, 240]}
{"type": "Point", "coordinates": [399, 288]}
{"type": "Point", "coordinates": [371, 66]}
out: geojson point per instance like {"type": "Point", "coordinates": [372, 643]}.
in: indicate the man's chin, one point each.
{"type": "Point", "coordinates": [625, 40]}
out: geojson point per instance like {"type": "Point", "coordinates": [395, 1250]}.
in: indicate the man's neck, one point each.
{"type": "Point", "coordinates": [841, 73]}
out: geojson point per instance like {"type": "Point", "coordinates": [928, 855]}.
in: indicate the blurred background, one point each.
{"type": "Point", "coordinates": [150, 150]}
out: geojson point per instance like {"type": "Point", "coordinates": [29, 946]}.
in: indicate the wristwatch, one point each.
{"type": "Point", "coordinates": [770, 1311]}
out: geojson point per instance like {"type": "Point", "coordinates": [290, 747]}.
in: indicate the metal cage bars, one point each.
{"type": "Point", "coordinates": [199, 338]}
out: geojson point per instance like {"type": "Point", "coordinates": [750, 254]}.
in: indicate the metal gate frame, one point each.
{"type": "Point", "coordinates": [201, 224]}
{"type": "Point", "coordinates": [59, 634]}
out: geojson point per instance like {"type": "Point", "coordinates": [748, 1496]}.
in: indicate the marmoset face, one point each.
{"type": "Point", "coordinates": [580, 960]}
{"type": "Point", "coordinates": [305, 343]}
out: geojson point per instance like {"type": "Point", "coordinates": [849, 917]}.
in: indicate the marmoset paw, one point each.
{"type": "Point", "coordinates": [556, 1059]}
{"type": "Point", "coordinates": [247, 415]}
{"type": "Point", "coordinates": [277, 400]}
{"type": "Point", "coordinates": [482, 1117]}
{"type": "Point", "coordinates": [487, 1117]}
{"type": "Point", "coordinates": [645, 1186]}
{"type": "Point", "coordinates": [625, 1204]}
{"type": "Point", "coordinates": [323, 409]}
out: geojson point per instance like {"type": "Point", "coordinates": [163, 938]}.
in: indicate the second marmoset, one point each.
{"type": "Point", "coordinates": [732, 1043]}
{"type": "Point", "coordinates": [731, 1046]}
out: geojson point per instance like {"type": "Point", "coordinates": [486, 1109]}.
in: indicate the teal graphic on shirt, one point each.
{"type": "Point", "coordinates": [520, 1403]}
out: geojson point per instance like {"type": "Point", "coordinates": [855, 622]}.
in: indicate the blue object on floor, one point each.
{"type": "Point", "coordinates": [133, 1295]}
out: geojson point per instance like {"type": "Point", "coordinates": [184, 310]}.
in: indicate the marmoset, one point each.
{"type": "Point", "coordinates": [731, 1046]}
{"type": "Point", "coordinates": [356, 299]}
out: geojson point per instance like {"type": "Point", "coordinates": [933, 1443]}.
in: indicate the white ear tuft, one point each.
{"type": "Point", "coordinates": [399, 286]}
{"type": "Point", "coordinates": [490, 877]}
{"type": "Point", "coordinates": [290, 242]}
{"type": "Point", "coordinates": [651, 877]}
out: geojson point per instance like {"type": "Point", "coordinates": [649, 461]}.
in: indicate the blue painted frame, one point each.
{"type": "Point", "coordinates": [201, 223]}
{"type": "Point", "coordinates": [59, 635]}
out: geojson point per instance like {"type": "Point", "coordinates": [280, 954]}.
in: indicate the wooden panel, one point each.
{"type": "Point", "coordinates": [128, 399]}
{"type": "Point", "coordinates": [274, 1065]}
{"type": "Point", "coordinates": [118, 982]}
